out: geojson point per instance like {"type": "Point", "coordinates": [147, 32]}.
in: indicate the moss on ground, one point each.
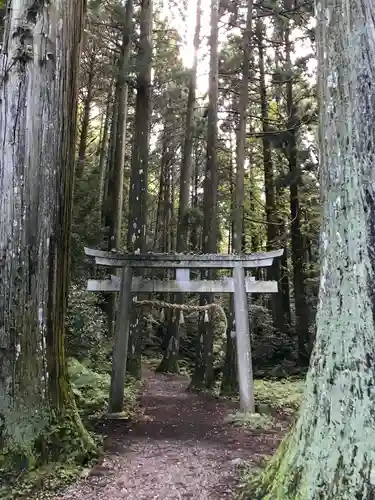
{"type": "Point", "coordinates": [38, 481]}
{"type": "Point", "coordinates": [281, 395]}
{"type": "Point", "coordinates": [284, 397]}
{"type": "Point", "coordinates": [252, 421]}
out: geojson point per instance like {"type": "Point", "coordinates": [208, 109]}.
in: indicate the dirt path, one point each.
{"type": "Point", "coordinates": [180, 449]}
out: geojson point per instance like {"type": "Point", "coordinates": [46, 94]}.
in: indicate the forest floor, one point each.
{"type": "Point", "coordinates": [180, 448]}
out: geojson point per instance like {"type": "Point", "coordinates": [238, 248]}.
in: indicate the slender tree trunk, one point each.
{"type": "Point", "coordinates": [329, 453]}
{"type": "Point", "coordinates": [122, 108]}
{"type": "Point", "coordinates": [241, 136]}
{"type": "Point", "coordinates": [109, 187]}
{"type": "Point", "coordinates": [38, 106]}
{"type": "Point", "coordinates": [139, 169]}
{"type": "Point", "coordinates": [194, 231]}
{"type": "Point", "coordinates": [85, 119]}
{"type": "Point", "coordinates": [284, 278]}
{"type": "Point", "coordinates": [169, 362]}
{"type": "Point", "coordinates": [297, 248]}
{"type": "Point", "coordinates": [284, 286]}
{"type": "Point", "coordinates": [115, 182]}
{"type": "Point", "coordinates": [203, 375]}
{"type": "Point", "coordinates": [272, 237]}
{"type": "Point", "coordinates": [104, 152]}
{"type": "Point", "coordinates": [229, 373]}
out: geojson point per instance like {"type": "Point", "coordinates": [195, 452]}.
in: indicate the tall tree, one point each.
{"type": "Point", "coordinates": [169, 362]}
{"type": "Point", "coordinates": [87, 102]}
{"type": "Point", "coordinates": [121, 102]}
{"type": "Point", "coordinates": [330, 452]}
{"type": "Point", "coordinates": [37, 128]}
{"type": "Point", "coordinates": [139, 166]}
{"type": "Point", "coordinates": [204, 366]}
{"type": "Point", "coordinates": [115, 186]}
{"type": "Point", "coordinates": [297, 243]}
{"type": "Point", "coordinates": [229, 378]}
{"type": "Point", "coordinates": [269, 184]}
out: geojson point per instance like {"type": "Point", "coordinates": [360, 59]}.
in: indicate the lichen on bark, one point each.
{"type": "Point", "coordinates": [330, 453]}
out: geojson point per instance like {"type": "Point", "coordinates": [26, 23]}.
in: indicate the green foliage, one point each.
{"type": "Point", "coordinates": [253, 421]}
{"type": "Point", "coordinates": [91, 390]}
{"type": "Point", "coordinates": [86, 227]}
{"type": "Point", "coordinates": [50, 478]}
{"type": "Point", "coordinates": [87, 327]}
{"type": "Point", "coordinates": [64, 440]}
{"type": "Point", "coordinates": [281, 395]}
{"type": "Point", "coordinates": [269, 346]}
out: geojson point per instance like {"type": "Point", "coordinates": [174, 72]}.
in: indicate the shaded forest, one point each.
{"type": "Point", "coordinates": [178, 127]}
{"type": "Point", "coordinates": [219, 156]}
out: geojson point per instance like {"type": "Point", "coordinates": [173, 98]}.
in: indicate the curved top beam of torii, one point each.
{"type": "Point", "coordinates": [173, 260]}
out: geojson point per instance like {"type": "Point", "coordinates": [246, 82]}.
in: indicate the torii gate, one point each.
{"type": "Point", "coordinates": [238, 284]}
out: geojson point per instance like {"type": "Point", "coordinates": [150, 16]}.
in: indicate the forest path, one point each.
{"type": "Point", "coordinates": [180, 449]}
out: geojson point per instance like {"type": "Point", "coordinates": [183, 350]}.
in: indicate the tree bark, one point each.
{"type": "Point", "coordinates": [139, 168]}
{"type": "Point", "coordinates": [122, 108]}
{"type": "Point", "coordinates": [86, 118]}
{"type": "Point", "coordinates": [229, 373]}
{"type": "Point", "coordinates": [297, 247]}
{"type": "Point", "coordinates": [329, 454]}
{"type": "Point", "coordinates": [204, 368]}
{"type": "Point", "coordinates": [103, 154]}
{"type": "Point", "coordinates": [169, 362]}
{"type": "Point", "coordinates": [38, 103]}
{"type": "Point", "coordinates": [273, 273]}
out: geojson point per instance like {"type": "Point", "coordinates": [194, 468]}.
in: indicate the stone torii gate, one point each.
{"type": "Point", "coordinates": [238, 284]}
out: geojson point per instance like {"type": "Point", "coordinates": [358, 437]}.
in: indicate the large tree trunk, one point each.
{"type": "Point", "coordinates": [169, 362]}
{"type": "Point", "coordinates": [37, 129]}
{"type": "Point", "coordinates": [137, 221]}
{"type": "Point", "coordinates": [330, 452]}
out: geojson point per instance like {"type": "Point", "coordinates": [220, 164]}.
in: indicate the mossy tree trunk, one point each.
{"type": "Point", "coordinates": [330, 453]}
{"type": "Point", "coordinates": [37, 128]}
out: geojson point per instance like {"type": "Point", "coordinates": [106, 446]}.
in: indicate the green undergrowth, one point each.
{"type": "Point", "coordinates": [42, 483]}
{"type": "Point", "coordinates": [272, 398]}
{"type": "Point", "coordinates": [283, 395]}
{"type": "Point", "coordinates": [185, 368]}
{"type": "Point", "coordinates": [91, 390]}
{"type": "Point", "coordinates": [253, 421]}
{"type": "Point", "coordinates": [276, 396]}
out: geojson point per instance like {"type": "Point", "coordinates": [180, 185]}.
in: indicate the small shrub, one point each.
{"type": "Point", "coordinates": [86, 337]}
{"type": "Point", "coordinates": [91, 390]}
